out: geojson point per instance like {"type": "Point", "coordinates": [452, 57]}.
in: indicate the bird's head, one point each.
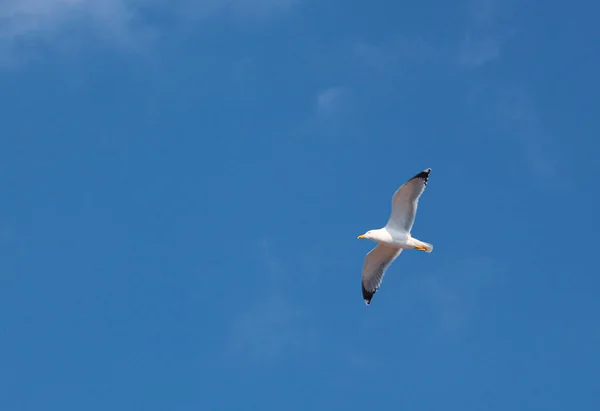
{"type": "Point", "coordinates": [367, 235]}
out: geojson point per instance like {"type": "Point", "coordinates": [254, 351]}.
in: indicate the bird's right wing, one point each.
{"type": "Point", "coordinates": [376, 262]}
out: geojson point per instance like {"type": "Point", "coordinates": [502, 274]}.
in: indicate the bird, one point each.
{"type": "Point", "coordinates": [395, 236]}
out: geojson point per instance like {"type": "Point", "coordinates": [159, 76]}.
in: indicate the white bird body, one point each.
{"type": "Point", "coordinates": [396, 239]}
{"type": "Point", "coordinates": [395, 236]}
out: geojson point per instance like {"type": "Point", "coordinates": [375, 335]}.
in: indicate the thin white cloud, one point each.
{"type": "Point", "coordinates": [375, 57]}
{"type": "Point", "coordinates": [273, 325]}
{"type": "Point", "coordinates": [247, 10]}
{"type": "Point", "coordinates": [126, 24]}
{"type": "Point", "coordinates": [454, 296]}
{"type": "Point", "coordinates": [22, 18]}
{"type": "Point", "coordinates": [511, 113]}
{"type": "Point", "coordinates": [488, 28]}
{"type": "Point", "coordinates": [32, 26]}
{"type": "Point", "coordinates": [280, 322]}
{"type": "Point", "coordinates": [329, 101]}
{"type": "Point", "coordinates": [330, 116]}
{"type": "Point", "coordinates": [396, 53]}
{"type": "Point", "coordinates": [518, 114]}
{"type": "Point", "coordinates": [477, 51]}
{"type": "Point", "coordinates": [269, 330]}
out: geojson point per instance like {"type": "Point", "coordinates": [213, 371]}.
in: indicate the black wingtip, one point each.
{"type": "Point", "coordinates": [367, 295]}
{"type": "Point", "coordinates": [423, 175]}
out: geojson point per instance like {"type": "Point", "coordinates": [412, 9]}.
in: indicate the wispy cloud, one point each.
{"type": "Point", "coordinates": [133, 25]}
{"type": "Point", "coordinates": [489, 25]}
{"type": "Point", "coordinates": [330, 116]}
{"type": "Point", "coordinates": [329, 101]}
{"type": "Point", "coordinates": [270, 330]}
{"type": "Point", "coordinates": [488, 28]}
{"type": "Point", "coordinates": [477, 51]}
{"type": "Point", "coordinates": [246, 10]}
{"type": "Point", "coordinates": [453, 297]}
{"type": "Point", "coordinates": [283, 322]}
{"type": "Point", "coordinates": [274, 325]}
{"type": "Point", "coordinates": [518, 113]}
{"type": "Point", "coordinates": [28, 28]}
{"type": "Point", "coordinates": [479, 41]}
{"type": "Point", "coordinates": [514, 109]}
{"type": "Point", "coordinates": [400, 51]}
{"type": "Point", "coordinates": [43, 18]}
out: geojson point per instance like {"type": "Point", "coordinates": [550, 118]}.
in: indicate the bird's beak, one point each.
{"type": "Point", "coordinates": [360, 237]}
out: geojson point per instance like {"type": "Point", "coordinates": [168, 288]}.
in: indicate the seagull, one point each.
{"type": "Point", "coordinates": [395, 236]}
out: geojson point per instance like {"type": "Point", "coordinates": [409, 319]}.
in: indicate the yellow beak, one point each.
{"type": "Point", "coordinates": [360, 237]}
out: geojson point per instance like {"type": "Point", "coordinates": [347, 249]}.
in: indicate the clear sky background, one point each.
{"type": "Point", "coordinates": [182, 184]}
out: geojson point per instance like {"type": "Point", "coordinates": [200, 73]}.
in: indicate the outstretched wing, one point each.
{"type": "Point", "coordinates": [405, 202]}
{"type": "Point", "coordinates": [376, 262]}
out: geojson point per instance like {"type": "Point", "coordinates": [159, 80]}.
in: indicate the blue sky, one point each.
{"type": "Point", "coordinates": [183, 183]}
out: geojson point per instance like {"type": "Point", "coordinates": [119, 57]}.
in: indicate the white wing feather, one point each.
{"type": "Point", "coordinates": [376, 263]}
{"type": "Point", "coordinates": [405, 202]}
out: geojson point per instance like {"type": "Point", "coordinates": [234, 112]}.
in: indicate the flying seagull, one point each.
{"type": "Point", "coordinates": [395, 236]}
